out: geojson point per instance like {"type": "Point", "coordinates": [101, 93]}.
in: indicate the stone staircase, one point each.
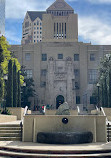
{"type": "Point", "coordinates": [10, 132]}
{"type": "Point", "coordinates": [109, 132]}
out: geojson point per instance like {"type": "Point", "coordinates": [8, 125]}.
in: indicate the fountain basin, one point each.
{"type": "Point", "coordinates": [65, 137]}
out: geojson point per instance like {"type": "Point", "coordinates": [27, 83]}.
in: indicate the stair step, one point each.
{"type": "Point", "coordinates": [10, 131]}
{"type": "Point", "coordinates": [10, 138]}
{"type": "Point", "coordinates": [10, 134]}
{"type": "Point", "coordinates": [9, 125]}
{"type": "Point", "coordinates": [8, 128]}
{"type": "Point", "coordinates": [33, 155]}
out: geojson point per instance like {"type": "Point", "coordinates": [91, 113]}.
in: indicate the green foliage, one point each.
{"type": "Point", "coordinates": [19, 90]}
{"type": "Point", "coordinates": [105, 80]}
{"type": "Point", "coordinates": [6, 112]}
{"type": "Point", "coordinates": [1, 88]}
{"type": "Point", "coordinates": [9, 98]}
{"type": "Point", "coordinates": [27, 92]}
{"type": "Point", "coordinates": [15, 85]}
{"type": "Point", "coordinates": [6, 59]}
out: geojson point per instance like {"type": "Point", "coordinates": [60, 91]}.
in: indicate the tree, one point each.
{"type": "Point", "coordinates": [15, 85]}
{"type": "Point", "coordinates": [5, 55]}
{"type": "Point", "coordinates": [27, 92]}
{"type": "Point", "coordinates": [7, 59]}
{"type": "Point", "coordinates": [9, 98]}
{"type": "Point", "coordinates": [19, 90]}
{"type": "Point", "coordinates": [105, 80]}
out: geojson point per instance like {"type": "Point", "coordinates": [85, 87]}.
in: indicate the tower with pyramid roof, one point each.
{"type": "Point", "coordinates": [60, 23]}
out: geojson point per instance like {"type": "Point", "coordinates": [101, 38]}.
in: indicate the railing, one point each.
{"type": "Point", "coordinates": [21, 123]}
{"type": "Point", "coordinates": [78, 109]}
{"type": "Point", "coordinates": [107, 124]}
{"type": "Point", "coordinates": [102, 110]}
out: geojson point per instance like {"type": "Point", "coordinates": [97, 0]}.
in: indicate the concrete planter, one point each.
{"type": "Point", "coordinates": [18, 111]}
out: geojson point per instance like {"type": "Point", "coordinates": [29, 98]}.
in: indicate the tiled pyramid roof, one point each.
{"type": "Point", "coordinates": [60, 5]}
{"type": "Point", "coordinates": [34, 14]}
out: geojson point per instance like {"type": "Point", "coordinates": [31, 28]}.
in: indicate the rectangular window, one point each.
{"type": "Point", "coordinates": [76, 72]}
{"type": "Point", "coordinates": [93, 100]}
{"type": "Point", "coordinates": [26, 24]}
{"type": "Point", "coordinates": [76, 85]}
{"type": "Point", "coordinates": [44, 57]}
{"type": "Point", "coordinates": [92, 57]}
{"type": "Point", "coordinates": [37, 22]}
{"type": "Point", "coordinates": [43, 72]}
{"type": "Point", "coordinates": [60, 56]}
{"type": "Point", "coordinates": [77, 99]}
{"type": "Point", "coordinates": [43, 84]}
{"type": "Point", "coordinates": [92, 76]}
{"type": "Point", "coordinates": [76, 57]}
{"type": "Point", "coordinates": [28, 73]}
{"type": "Point", "coordinates": [27, 56]}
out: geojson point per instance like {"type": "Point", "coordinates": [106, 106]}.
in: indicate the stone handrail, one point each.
{"type": "Point", "coordinates": [103, 112]}
{"type": "Point", "coordinates": [78, 109]}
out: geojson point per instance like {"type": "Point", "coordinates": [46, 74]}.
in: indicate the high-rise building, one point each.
{"type": "Point", "coordinates": [32, 27]}
{"type": "Point", "coordinates": [2, 17]}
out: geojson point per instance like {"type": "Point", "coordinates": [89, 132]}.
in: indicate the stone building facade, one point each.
{"type": "Point", "coordinates": [63, 69]}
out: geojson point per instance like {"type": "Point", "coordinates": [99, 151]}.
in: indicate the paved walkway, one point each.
{"type": "Point", "coordinates": [38, 146]}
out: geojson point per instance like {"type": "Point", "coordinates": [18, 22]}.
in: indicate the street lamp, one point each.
{"type": "Point", "coordinates": [98, 86]}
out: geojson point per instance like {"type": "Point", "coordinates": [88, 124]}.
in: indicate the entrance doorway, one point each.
{"type": "Point", "coordinates": [59, 101]}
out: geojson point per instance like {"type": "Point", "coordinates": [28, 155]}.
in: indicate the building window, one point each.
{"type": "Point", "coordinates": [34, 23]}
{"type": "Point", "coordinates": [92, 76]}
{"type": "Point", "coordinates": [29, 73]}
{"type": "Point", "coordinates": [43, 84]}
{"type": "Point", "coordinates": [60, 56]}
{"type": "Point", "coordinates": [40, 32]}
{"type": "Point", "coordinates": [76, 57]}
{"type": "Point", "coordinates": [40, 23]}
{"type": "Point", "coordinates": [76, 72]}
{"type": "Point", "coordinates": [92, 57]}
{"type": "Point", "coordinates": [40, 28]}
{"type": "Point", "coordinates": [37, 32]}
{"type": "Point", "coordinates": [77, 99]}
{"type": "Point", "coordinates": [27, 56]}
{"type": "Point", "coordinates": [26, 24]}
{"type": "Point", "coordinates": [34, 32]}
{"type": "Point", "coordinates": [34, 41]}
{"type": "Point", "coordinates": [43, 72]}
{"type": "Point", "coordinates": [76, 85]}
{"type": "Point", "coordinates": [37, 22]}
{"type": "Point", "coordinates": [37, 28]}
{"type": "Point", "coordinates": [93, 100]}
{"type": "Point", "coordinates": [44, 57]}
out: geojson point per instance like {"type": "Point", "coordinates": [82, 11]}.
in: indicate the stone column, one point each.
{"type": "Point", "coordinates": [70, 78]}
{"type": "Point", "coordinates": [51, 81]}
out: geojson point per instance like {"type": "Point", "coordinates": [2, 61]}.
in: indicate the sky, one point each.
{"type": "Point", "coordinates": [94, 19]}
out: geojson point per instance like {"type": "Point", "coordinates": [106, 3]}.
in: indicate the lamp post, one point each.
{"type": "Point", "coordinates": [98, 86]}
